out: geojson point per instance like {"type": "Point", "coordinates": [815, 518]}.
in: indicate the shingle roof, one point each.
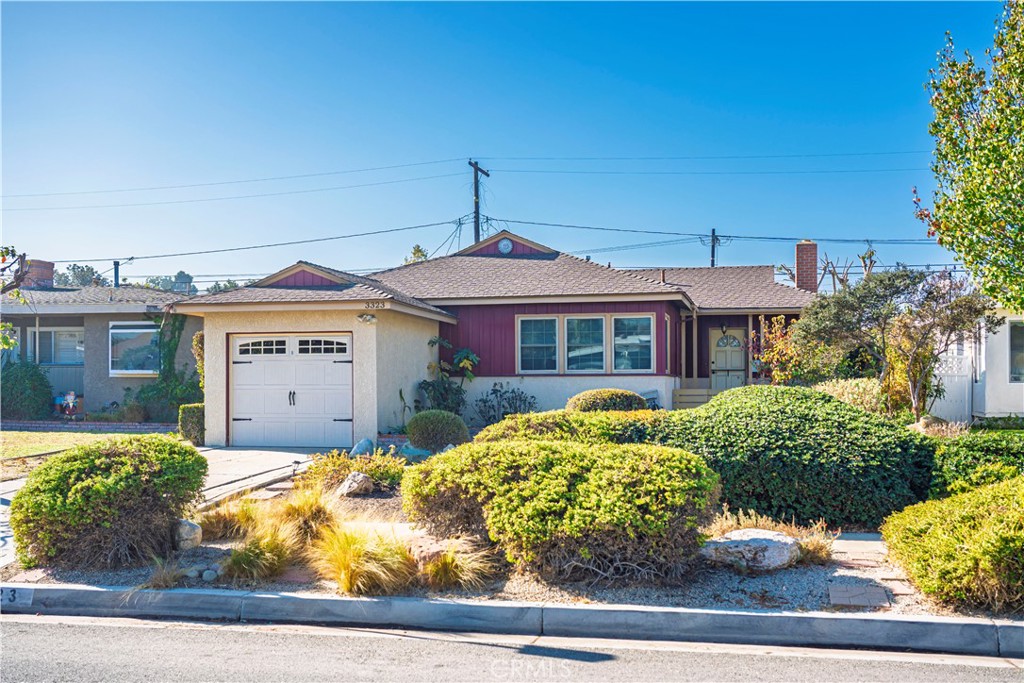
{"type": "Point", "coordinates": [732, 287]}
{"type": "Point", "coordinates": [484, 276]}
{"type": "Point", "coordinates": [95, 296]}
{"type": "Point", "coordinates": [353, 288]}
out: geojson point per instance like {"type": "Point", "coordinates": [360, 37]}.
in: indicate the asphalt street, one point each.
{"type": "Point", "coordinates": [36, 648]}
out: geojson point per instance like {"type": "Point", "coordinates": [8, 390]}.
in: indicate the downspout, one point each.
{"type": "Point", "coordinates": [36, 357]}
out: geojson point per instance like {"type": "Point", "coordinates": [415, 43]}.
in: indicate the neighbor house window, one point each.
{"type": "Point", "coordinates": [57, 346]}
{"type": "Point", "coordinates": [632, 344]}
{"type": "Point", "coordinates": [538, 344]}
{"type": "Point", "coordinates": [134, 348]}
{"type": "Point", "coordinates": [1017, 352]}
{"type": "Point", "coordinates": [584, 344]}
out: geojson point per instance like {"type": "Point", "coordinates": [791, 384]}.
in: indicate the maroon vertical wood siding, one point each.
{"type": "Point", "coordinates": [303, 278]}
{"type": "Point", "coordinates": [490, 330]}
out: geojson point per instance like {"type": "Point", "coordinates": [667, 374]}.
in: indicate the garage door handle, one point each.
{"type": "Point", "coordinates": [342, 361]}
{"type": "Point", "coordinates": [337, 420]}
{"type": "Point", "coordinates": [241, 362]}
{"type": "Point", "coordinates": [291, 398]}
{"type": "Point", "coordinates": [241, 419]}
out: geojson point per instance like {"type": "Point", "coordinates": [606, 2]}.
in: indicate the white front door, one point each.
{"type": "Point", "coordinates": [728, 359]}
{"type": "Point", "coordinates": [291, 390]}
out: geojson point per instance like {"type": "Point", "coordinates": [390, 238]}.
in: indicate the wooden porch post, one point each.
{"type": "Point", "coordinates": [696, 371]}
{"type": "Point", "coordinates": [750, 358]}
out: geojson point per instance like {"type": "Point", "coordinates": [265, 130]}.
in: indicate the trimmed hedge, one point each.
{"type": "Point", "coordinates": [192, 423]}
{"type": "Point", "coordinates": [434, 429]}
{"type": "Point", "coordinates": [606, 399]}
{"type": "Point", "coordinates": [26, 391]}
{"type": "Point", "coordinates": [570, 510]}
{"type": "Point", "coordinates": [965, 550]}
{"type": "Point", "coordinates": [107, 504]}
{"type": "Point", "coordinates": [786, 452]}
{"type": "Point", "coordinates": [977, 458]}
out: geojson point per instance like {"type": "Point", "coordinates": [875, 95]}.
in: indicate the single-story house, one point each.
{"type": "Point", "coordinates": [313, 356]}
{"type": "Point", "coordinates": [95, 341]}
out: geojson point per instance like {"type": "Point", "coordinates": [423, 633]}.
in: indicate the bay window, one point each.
{"type": "Point", "coordinates": [538, 344]}
{"type": "Point", "coordinates": [584, 344]}
{"type": "Point", "coordinates": [632, 343]}
{"type": "Point", "coordinates": [1017, 352]}
{"type": "Point", "coordinates": [57, 346]}
{"type": "Point", "coordinates": [134, 348]}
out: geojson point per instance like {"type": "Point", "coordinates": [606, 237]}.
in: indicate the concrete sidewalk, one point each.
{"type": "Point", "coordinates": [232, 471]}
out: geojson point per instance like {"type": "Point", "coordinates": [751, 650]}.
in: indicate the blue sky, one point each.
{"type": "Point", "coordinates": [114, 96]}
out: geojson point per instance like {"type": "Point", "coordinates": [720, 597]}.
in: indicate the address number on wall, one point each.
{"type": "Point", "coordinates": [375, 304]}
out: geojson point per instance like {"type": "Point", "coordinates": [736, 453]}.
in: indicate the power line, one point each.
{"type": "Point", "coordinates": [707, 173]}
{"type": "Point", "coordinates": [244, 196]}
{"type": "Point", "coordinates": [233, 182]}
{"type": "Point", "coordinates": [712, 156]}
{"type": "Point", "coordinates": [266, 246]}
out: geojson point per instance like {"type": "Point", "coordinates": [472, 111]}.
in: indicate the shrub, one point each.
{"type": "Point", "coordinates": [606, 399]}
{"type": "Point", "coordinates": [977, 458]}
{"type": "Point", "coordinates": [162, 398]}
{"type": "Point", "coordinates": [26, 391]}
{"type": "Point", "coordinates": [108, 503]}
{"type": "Point", "coordinates": [864, 393]}
{"type": "Point", "coordinates": [502, 401]}
{"type": "Point", "coordinates": [434, 429]}
{"type": "Point", "coordinates": [328, 470]}
{"type": "Point", "coordinates": [965, 550]}
{"type": "Point", "coordinates": [786, 452]}
{"type": "Point", "coordinates": [1006, 422]}
{"type": "Point", "coordinates": [815, 540]}
{"type": "Point", "coordinates": [458, 567]}
{"type": "Point", "coordinates": [363, 560]}
{"type": "Point", "coordinates": [192, 423]}
{"type": "Point", "coordinates": [569, 510]}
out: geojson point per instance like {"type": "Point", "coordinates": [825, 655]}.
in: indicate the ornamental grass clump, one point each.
{"type": "Point", "coordinates": [229, 519]}
{"type": "Point", "coordinates": [107, 504]}
{"type": "Point", "coordinates": [966, 550]}
{"type": "Point", "coordinates": [266, 551]}
{"type": "Point", "coordinates": [307, 511]}
{"type": "Point", "coordinates": [328, 470]}
{"type": "Point", "coordinates": [363, 559]}
{"type": "Point", "coordinates": [569, 510]}
{"type": "Point", "coordinates": [459, 567]}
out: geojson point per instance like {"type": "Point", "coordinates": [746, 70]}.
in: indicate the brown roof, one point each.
{"type": "Point", "coordinates": [94, 296]}
{"type": "Point", "coordinates": [732, 287]}
{"type": "Point", "coordinates": [352, 288]}
{"type": "Point", "coordinates": [491, 276]}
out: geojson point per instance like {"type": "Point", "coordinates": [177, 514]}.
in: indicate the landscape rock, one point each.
{"type": "Point", "coordinates": [447, 448]}
{"type": "Point", "coordinates": [752, 550]}
{"type": "Point", "coordinates": [209, 575]}
{"type": "Point", "coordinates": [192, 572]}
{"type": "Point", "coordinates": [187, 535]}
{"type": "Point", "coordinates": [362, 447]}
{"type": "Point", "coordinates": [355, 484]}
{"type": "Point", "coordinates": [414, 455]}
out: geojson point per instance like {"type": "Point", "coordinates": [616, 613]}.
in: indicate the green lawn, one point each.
{"type": "Point", "coordinates": [16, 444]}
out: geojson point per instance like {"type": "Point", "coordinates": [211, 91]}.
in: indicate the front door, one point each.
{"type": "Point", "coordinates": [728, 359]}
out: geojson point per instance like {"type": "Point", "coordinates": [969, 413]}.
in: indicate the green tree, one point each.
{"type": "Point", "coordinates": [218, 287]}
{"type": "Point", "coordinates": [418, 254]}
{"type": "Point", "coordinates": [10, 280]}
{"type": "Point", "coordinates": [978, 205]}
{"type": "Point", "coordinates": [77, 275]}
{"type": "Point", "coordinates": [181, 282]}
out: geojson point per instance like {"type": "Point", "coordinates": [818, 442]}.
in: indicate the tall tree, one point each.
{"type": "Point", "coordinates": [181, 282]}
{"type": "Point", "coordinates": [218, 287]}
{"type": "Point", "coordinates": [77, 275]}
{"type": "Point", "coordinates": [978, 205]}
{"type": "Point", "coordinates": [12, 273]}
{"type": "Point", "coordinates": [418, 254]}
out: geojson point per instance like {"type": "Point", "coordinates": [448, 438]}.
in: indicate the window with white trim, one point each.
{"type": "Point", "coordinates": [538, 344]}
{"type": "Point", "coordinates": [1017, 352]}
{"type": "Point", "coordinates": [322, 346]}
{"type": "Point", "coordinates": [134, 348]}
{"type": "Point", "coordinates": [263, 347]}
{"type": "Point", "coordinates": [632, 343]}
{"type": "Point", "coordinates": [57, 346]}
{"type": "Point", "coordinates": [584, 344]}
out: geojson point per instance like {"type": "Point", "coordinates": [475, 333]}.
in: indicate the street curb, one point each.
{"type": "Point", "coordinates": [951, 635]}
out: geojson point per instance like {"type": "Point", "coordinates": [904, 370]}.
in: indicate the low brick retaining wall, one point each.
{"type": "Point", "coordinates": [396, 441]}
{"type": "Point", "coordinates": [87, 426]}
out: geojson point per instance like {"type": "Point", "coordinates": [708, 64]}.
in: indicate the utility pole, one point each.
{"type": "Point", "coordinates": [714, 247]}
{"type": "Point", "coordinates": [117, 273]}
{"type": "Point", "coordinates": [476, 198]}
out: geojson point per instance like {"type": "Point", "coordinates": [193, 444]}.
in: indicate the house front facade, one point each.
{"type": "Point", "coordinates": [312, 356]}
{"type": "Point", "coordinates": [94, 341]}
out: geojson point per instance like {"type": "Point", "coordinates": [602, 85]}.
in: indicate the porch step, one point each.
{"type": "Point", "coordinates": [689, 398]}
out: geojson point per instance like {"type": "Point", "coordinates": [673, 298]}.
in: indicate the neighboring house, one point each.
{"type": "Point", "coordinates": [95, 341]}
{"type": "Point", "coordinates": [312, 356]}
{"type": "Point", "coordinates": [984, 378]}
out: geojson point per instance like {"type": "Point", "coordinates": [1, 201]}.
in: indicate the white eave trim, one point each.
{"type": "Point", "coordinates": [576, 298]}
{"type": "Point", "coordinates": [749, 311]}
{"type": "Point", "coordinates": [201, 309]}
{"type": "Point", "coordinates": [81, 309]}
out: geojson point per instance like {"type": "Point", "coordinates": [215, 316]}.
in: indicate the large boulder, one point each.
{"type": "Point", "coordinates": [752, 550]}
{"type": "Point", "coordinates": [355, 484]}
{"type": "Point", "coordinates": [187, 535]}
{"type": "Point", "coordinates": [362, 447]}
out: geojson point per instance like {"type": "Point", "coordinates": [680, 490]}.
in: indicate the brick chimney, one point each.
{"type": "Point", "coordinates": [39, 275]}
{"type": "Point", "coordinates": [807, 266]}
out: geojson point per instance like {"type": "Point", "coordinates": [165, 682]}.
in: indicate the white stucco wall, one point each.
{"type": "Point", "coordinates": [1001, 397]}
{"type": "Point", "coordinates": [402, 358]}
{"type": "Point", "coordinates": [552, 391]}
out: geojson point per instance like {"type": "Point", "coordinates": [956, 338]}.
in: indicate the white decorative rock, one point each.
{"type": "Point", "coordinates": [187, 535]}
{"type": "Point", "coordinates": [355, 484]}
{"type": "Point", "coordinates": [209, 575]}
{"type": "Point", "coordinates": [362, 447]}
{"type": "Point", "coordinates": [752, 550]}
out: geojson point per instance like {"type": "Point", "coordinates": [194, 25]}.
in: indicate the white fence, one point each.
{"type": "Point", "coordinates": [955, 374]}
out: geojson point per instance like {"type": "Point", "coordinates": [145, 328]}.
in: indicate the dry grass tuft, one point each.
{"type": "Point", "coordinates": [230, 519]}
{"type": "Point", "coordinates": [946, 430]}
{"type": "Point", "coordinates": [363, 560]}
{"type": "Point", "coordinates": [166, 574]}
{"type": "Point", "coordinates": [815, 540]}
{"type": "Point", "coordinates": [307, 509]}
{"type": "Point", "coordinates": [266, 552]}
{"type": "Point", "coordinates": [459, 567]}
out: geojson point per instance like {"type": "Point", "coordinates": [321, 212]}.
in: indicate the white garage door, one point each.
{"type": "Point", "coordinates": [291, 390]}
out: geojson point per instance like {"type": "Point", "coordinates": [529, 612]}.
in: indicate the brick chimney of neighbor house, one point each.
{"type": "Point", "coordinates": [39, 275]}
{"type": "Point", "coordinates": [807, 266]}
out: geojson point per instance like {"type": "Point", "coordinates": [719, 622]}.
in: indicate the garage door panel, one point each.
{"type": "Point", "coordinates": [275, 402]}
{"type": "Point", "coordinates": [247, 374]}
{"type": "Point", "coordinates": [248, 403]}
{"type": "Point", "coordinates": [278, 374]}
{"type": "Point", "coordinates": [338, 374]}
{"type": "Point", "coordinates": [339, 434]}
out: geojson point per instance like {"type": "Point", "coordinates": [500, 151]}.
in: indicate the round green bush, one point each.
{"type": "Point", "coordinates": [570, 510]}
{"type": "Point", "coordinates": [27, 392]}
{"type": "Point", "coordinates": [107, 504]}
{"type": "Point", "coordinates": [606, 399]}
{"type": "Point", "coordinates": [965, 550]}
{"type": "Point", "coordinates": [786, 452]}
{"type": "Point", "coordinates": [432, 430]}
{"type": "Point", "coordinates": [976, 458]}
